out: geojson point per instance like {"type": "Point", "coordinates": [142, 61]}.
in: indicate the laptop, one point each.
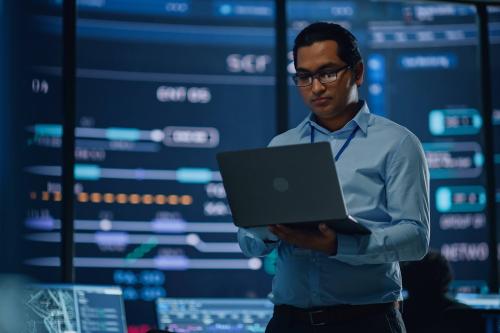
{"type": "Point", "coordinates": [70, 308]}
{"type": "Point", "coordinates": [243, 315]}
{"type": "Point", "coordinates": [296, 185]}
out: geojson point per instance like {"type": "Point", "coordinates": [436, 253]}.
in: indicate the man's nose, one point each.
{"type": "Point", "coordinates": [317, 86]}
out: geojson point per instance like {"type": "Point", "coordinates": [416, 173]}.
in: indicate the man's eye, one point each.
{"type": "Point", "coordinates": [303, 76]}
{"type": "Point", "coordinates": [328, 75]}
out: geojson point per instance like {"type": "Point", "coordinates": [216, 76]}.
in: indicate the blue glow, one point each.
{"type": "Point", "coordinates": [123, 134]}
{"type": "Point", "coordinates": [477, 121]}
{"type": "Point", "coordinates": [478, 159]}
{"type": "Point", "coordinates": [443, 199]}
{"type": "Point", "coordinates": [436, 122]}
{"type": "Point", "coordinates": [225, 9]}
{"type": "Point", "coordinates": [124, 277]}
{"type": "Point", "coordinates": [247, 9]}
{"type": "Point", "coordinates": [172, 262]}
{"type": "Point", "coordinates": [376, 67]}
{"type": "Point", "coordinates": [460, 199]}
{"type": "Point", "coordinates": [194, 175]}
{"type": "Point", "coordinates": [163, 33]}
{"type": "Point", "coordinates": [130, 294]}
{"type": "Point", "coordinates": [111, 238]}
{"type": "Point", "coordinates": [321, 10]}
{"type": "Point", "coordinates": [87, 172]}
{"type": "Point", "coordinates": [162, 225]}
{"type": "Point", "coordinates": [376, 76]}
{"type": "Point", "coordinates": [455, 122]}
{"type": "Point", "coordinates": [41, 223]}
{"type": "Point", "coordinates": [48, 130]}
{"type": "Point", "coordinates": [428, 61]}
{"type": "Point", "coordinates": [152, 7]}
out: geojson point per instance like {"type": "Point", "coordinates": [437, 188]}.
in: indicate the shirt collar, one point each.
{"type": "Point", "coordinates": [361, 119]}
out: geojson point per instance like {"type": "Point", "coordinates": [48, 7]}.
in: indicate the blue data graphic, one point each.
{"type": "Point", "coordinates": [454, 160]}
{"type": "Point", "coordinates": [462, 199]}
{"type": "Point", "coordinates": [162, 86]}
{"type": "Point", "coordinates": [455, 122]}
{"type": "Point", "coordinates": [213, 315]}
{"type": "Point", "coordinates": [74, 308]}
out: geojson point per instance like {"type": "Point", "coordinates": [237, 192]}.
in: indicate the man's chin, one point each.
{"type": "Point", "coordinates": [323, 112]}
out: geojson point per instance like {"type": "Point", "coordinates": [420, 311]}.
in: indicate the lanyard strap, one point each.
{"type": "Point", "coordinates": [344, 146]}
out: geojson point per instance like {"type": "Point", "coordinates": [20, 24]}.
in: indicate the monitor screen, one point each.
{"type": "Point", "coordinates": [162, 87]}
{"type": "Point", "coordinates": [74, 309]}
{"type": "Point", "coordinates": [480, 301]}
{"type": "Point", "coordinates": [213, 315]}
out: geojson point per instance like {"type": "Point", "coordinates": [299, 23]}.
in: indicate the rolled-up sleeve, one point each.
{"type": "Point", "coordinates": [407, 236]}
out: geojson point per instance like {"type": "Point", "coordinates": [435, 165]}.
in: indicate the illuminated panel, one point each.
{"type": "Point", "coordinates": [74, 308]}
{"type": "Point", "coordinates": [213, 315]}
{"type": "Point", "coordinates": [480, 301]}
{"type": "Point", "coordinates": [448, 160]}
{"type": "Point", "coordinates": [162, 87]}
{"type": "Point", "coordinates": [376, 68]}
{"type": "Point", "coordinates": [455, 122]}
{"type": "Point", "coordinates": [462, 199]}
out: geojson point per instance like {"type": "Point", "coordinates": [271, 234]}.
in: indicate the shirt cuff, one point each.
{"type": "Point", "coordinates": [346, 245]}
{"type": "Point", "coordinates": [252, 245]}
{"type": "Point", "coordinates": [261, 233]}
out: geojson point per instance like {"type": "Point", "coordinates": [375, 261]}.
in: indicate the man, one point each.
{"type": "Point", "coordinates": [330, 282]}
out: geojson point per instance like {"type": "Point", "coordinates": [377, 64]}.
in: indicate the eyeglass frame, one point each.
{"type": "Point", "coordinates": [316, 74]}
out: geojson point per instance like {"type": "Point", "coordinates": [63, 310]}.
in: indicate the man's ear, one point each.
{"type": "Point", "coordinates": [359, 73]}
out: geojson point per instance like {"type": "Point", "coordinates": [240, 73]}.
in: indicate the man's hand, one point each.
{"type": "Point", "coordinates": [323, 240]}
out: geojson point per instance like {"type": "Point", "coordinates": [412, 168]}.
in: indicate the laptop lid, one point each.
{"type": "Point", "coordinates": [74, 308]}
{"type": "Point", "coordinates": [213, 314]}
{"type": "Point", "coordinates": [294, 184]}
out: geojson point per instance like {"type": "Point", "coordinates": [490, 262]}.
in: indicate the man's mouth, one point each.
{"type": "Point", "coordinates": [321, 100]}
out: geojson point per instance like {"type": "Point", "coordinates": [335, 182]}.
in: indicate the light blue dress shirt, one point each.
{"type": "Point", "coordinates": [385, 182]}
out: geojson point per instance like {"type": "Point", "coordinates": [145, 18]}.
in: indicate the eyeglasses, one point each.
{"type": "Point", "coordinates": [324, 76]}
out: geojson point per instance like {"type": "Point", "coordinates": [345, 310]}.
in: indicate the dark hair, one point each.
{"type": "Point", "coordinates": [431, 275]}
{"type": "Point", "coordinates": [348, 49]}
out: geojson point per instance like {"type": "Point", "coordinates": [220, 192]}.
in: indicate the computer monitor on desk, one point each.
{"type": "Point", "coordinates": [213, 314]}
{"type": "Point", "coordinates": [74, 309]}
{"type": "Point", "coordinates": [488, 305]}
{"type": "Point", "coordinates": [487, 302]}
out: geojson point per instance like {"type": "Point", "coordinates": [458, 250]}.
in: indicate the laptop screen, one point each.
{"type": "Point", "coordinates": [213, 315]}
{"type": "Point", "coordinates": [74, 309]}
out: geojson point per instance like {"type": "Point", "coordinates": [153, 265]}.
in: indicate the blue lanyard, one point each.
{"type": "Point", "coordinates": [344, 146]}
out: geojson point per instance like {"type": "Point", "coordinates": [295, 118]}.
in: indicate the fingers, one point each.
{"type": "Point", "coordinates": [322, 240]}
{"type": "Point", "coordinates": [330, 235]}
{"type": "Point", "coordinates": [325, 230]}
{"type": "Point", "coordinates": [282, 232]}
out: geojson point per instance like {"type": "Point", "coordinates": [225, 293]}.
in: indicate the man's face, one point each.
{"type": "Point", "coordinates": [330, 99]}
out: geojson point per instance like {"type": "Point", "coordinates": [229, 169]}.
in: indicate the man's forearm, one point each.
{"type": "Point", "coordinates": [404, 241]}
